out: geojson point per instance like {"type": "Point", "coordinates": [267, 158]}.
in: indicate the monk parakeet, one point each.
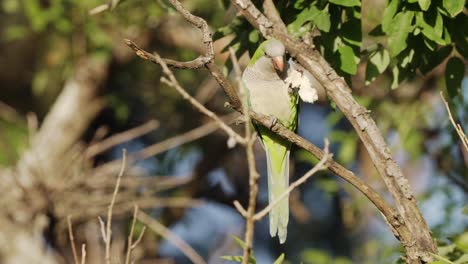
{"type": "Point", "coordinates": [269, 94]}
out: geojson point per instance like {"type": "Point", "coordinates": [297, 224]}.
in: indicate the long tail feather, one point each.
{"type": "Point", "coordinates": [278, 182]}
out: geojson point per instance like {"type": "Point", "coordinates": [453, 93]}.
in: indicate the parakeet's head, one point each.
{"type": "Point", "coordinates": [275, 50]}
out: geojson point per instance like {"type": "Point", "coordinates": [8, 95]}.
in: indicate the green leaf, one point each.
{"type": "Point", "coordinates": [445, 250]}
{"type": "Point", "coordinates": [241, 244]}
{"type": "Point", "coordinates": [462, 260]}
{"type": "Point", "coordinates": [431, 30]}
{"type": "Point", "coordinates": [447, 37]}
{"type": "Point", "coordinates": [453, 7]}
{"type": "Point", "coordinates": [233, 258]}
{"type": "Point", "coordinates": [406, 60]}
{"type": "Point", "coordinates": [297, 26]}
{"type": "Point", "coordinates": [381, 59]}
{"type": "Point", "coordinates": [320, 18]}
{"type": "Point", "coordinates": [424, 4]}
{"type": "Point", "coordinates": [399, 30]}
{"type": "Point", "coordinates": [462, 242]}
{"type": "Point", "coordinates": [396, 79]}
{"type": "Point", "coordinates": [253, 36]}
{"type": "Point", "coordinates": [346, 2]}
{"type": "Point", "coordinates": [439, 24]}
{"type": "Point", "coordinates": [378, 62]}
{"type": "Point", "coordinates": [347, 59]}
{"type": "Point", "coordinates": [238, 241]}
{"type": "Point", "coordinates": [442, 259]}
{"type": "Point", "coordinates": [388, 15]}
{"type": "Point", "coordinates": [322, 21]}
{"type": "Point", "coordinates": [454, 73]}
{"type": "Point", "coordinates": [280, 259]}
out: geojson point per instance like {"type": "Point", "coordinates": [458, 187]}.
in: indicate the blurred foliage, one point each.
{"type": "Point", "coordinates": [313, 256]}
{"type": "Point", "coordinates": [455, 252]}
{"type": "Point", "coordinates": [408, 24]}
{"type": "Point", "coordinates": [13, 140]}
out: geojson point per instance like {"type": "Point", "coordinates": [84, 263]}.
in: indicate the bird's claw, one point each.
{"type": "Point", "coordinates": [293, 90]}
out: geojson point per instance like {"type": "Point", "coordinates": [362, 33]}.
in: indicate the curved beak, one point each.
{"type": "Point", "coordinates": [278, 63]}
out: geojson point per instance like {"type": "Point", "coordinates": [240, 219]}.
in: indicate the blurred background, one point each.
{"type": "Point", "coordinates": [73, 95]}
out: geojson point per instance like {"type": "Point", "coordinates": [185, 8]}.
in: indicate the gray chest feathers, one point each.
{"type": "Point", "coordinates": [269, 95]}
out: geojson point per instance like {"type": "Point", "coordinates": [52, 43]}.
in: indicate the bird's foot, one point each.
{"type": "Point", "coordinates": [293, 90]}
{"type": "Point", "coordinates": [273, 121]}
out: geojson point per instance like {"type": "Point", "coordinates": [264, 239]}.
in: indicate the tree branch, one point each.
{"type": "Point", "coordinates": [108, 232]}
{"type": "Point", "coordinates": [172, 81]}
{"type": "Point", "coordinates": [458, 128]}
{"type": "Point", "coordinates": [418, 243]}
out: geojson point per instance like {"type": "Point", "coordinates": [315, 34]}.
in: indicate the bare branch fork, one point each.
{"type": "Point", "coordinates": [106, 229]}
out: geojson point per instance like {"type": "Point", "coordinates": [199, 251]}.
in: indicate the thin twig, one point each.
{"type": "Point", "coordinates": [140, 237]}
{"type": "Point", "coordinates": [201, 24]}
{"type": "Point", "coordinates": [130, 244]}
{"type": "Point", "coordinates": [253, 185]}
{"type": "Point", "coordinates": [119, 138]}
{"type": "Point", "coordinates": [253, 173]}
{"type": "Point", "coordinates": [163, 231]}
{"type": "Point", "coordinates": [172, 82]}
{"type": "Point", "coordinates": [33, 125]}
{"type": "Point", "coordinates": [102, 226]}
{"type": "Point", "coordinates": [457, 127]}
{"type": "Point", "coordinates": [72, 240]}
{"type": "Point", "coordinates": [319, 166]}
{"type": "Point", "coordinates": [184, 138]}
{"type": "Point", "coordinates": [166, 144]}
{"type": "Point", "coordinates": [111, 206]}
{"type": "Point", "coordinates": [101, 8]}
{"type": "Point", "coordinates": [83, 253]}
{"type": "Point", "coordinates": [239, 208]}
{"type": "Point", "coordinates": [98, 9]}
